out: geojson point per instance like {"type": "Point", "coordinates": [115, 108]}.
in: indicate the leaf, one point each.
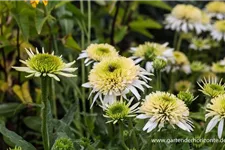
{"type": "Point", "coordinates": [22, 18]}
{"type": "Point", "coordinates": [77, 13]}
{"type": "Point", "coordinates": [15, 138]}
{"type": "Point", "coordinates": [10, 109]}
{"type": "Point", "coordinates": [144, 23]}
{"type": "Point", "coordinates": [69, 42]}
{"type": "Point", "coordinates": [120, 34]}
{"type": "Point", "coordinates": [40, 20]}
{"type": "Point", "coordinates": [144, 32]}
{"type": "Point", "coordinates": [68, 118]}
{"type": "Point", "coordinates": [33, 122]}
{"type": "Point", "coordinates": [157, 3]}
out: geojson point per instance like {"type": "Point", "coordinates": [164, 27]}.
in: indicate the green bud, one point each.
{"type": "Point", "coordinates": [187, 97]}
{"type": "Point", "coordinates": [63, 144]}
{"type": "Point", "coordinates": [16, 148]}
{"type": "Point", "coordinates": [159, 63]}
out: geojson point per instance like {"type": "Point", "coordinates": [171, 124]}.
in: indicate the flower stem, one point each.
{"type": "Point", "coordinates": [122, 137]}
{"type": "Point", "coordinates": [89, 22]}
{"type": "Point", "coordinates": [175, 39]}
{"type": "Point", "coordinates": [179, 42]}
{"type": "Point", "coordinates": [134, 137]}
{"type": "Point", "coordinates": [158, 80]}
{"type": "Point", "coordinates": [44, 97]}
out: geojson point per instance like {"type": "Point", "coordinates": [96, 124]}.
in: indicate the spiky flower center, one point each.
{"type": "Point", "coordinates": [63, 144]}
{"type": "Point", "coordinates": [217, 105]}
{"type": "Point", "coordinates": [213, 89]}
{"type": "Point", "coordinates": [220, 25]}
{"type": "Point", "coordinates": [117, 111]}
{"type": "Point", "coordinates": [197, 66]}
{"type": "Point", "coordinates": [183, 85]}
{"type": "Point", "coordinates": [164, 107]}
{"type": "Point", "coordinates": [149, 50]}
{"type": "Point", "coordinates": [187, 12]}
{"type": "Point", "coordinates": [113, 74]}
{"type": "Point", "coordinates": [98, 52]}
{"type": "Point", "coordinates": [45, 63]}
{"type": "Point", "coordinates": [218, 67]}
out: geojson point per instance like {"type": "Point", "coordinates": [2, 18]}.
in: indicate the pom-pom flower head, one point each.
{"type": "Point", "coordinates": [115, 77]}
{"type": "Point", "coordinates": [212, 87]}
{"type": "Point", "coordinates": [97, 52]}
{"type": "Point", "coordinates": [149, 51]}
{"type": "Point", "coordinates": [216, 9]}
{"type": "Point", "coordinates": [186, 18]}
{"type": "Point", "coordinates": [216, 110]}
{"type": "Point", "coordinates": [44, 64]}
{"type": "Point", "coordinates": [218, 30]}
{"type": "Point", "coordinates": [119, 110]}
{"type": "Point", "coordinates": [162, 108]}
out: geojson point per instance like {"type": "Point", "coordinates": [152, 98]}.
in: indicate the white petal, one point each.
{"type": "Point", "coordinates": [70, 64]}
{"type": "Point", "coordinates": [142, 116]}
{"type": "Point", "coordinates": [182, 126]}
{"type": "Point", "coordinates": [135, 92]}
{"type": "Point", "coordinates": [212, 123]}
{"type": "Point", "coordinates": [24, 69]}
{"type": "Point", "coordinates": [87, 85]}
{"type": "Point", "coordinates": [53, 76]}
{"type": "Point", "coordinates": [69, 69]}
{"type": "Point", "coordinates": [220, 128]}
{"type": "Point", "coordinates": [66, 74]}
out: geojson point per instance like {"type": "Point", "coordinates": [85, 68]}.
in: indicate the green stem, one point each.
{"type": "Point", "coordinates": [134, 137]}
{"type": "Point", "coordinates": [158, 80]}
{"type": "Point", "coordinates": [89, 22]}
{"type": "Point", "coordinates": [44, 97]}
{"type": "Point", "coordinates": [122, 137]}
{"type": "Point", "coordinates": [172, 80]}
{"type": "Point", "coordinates": [52, 98]}
{"type": "Point", "coordinates": [175, 39]}
{"type": "Point", "coordinates": [179, 42]}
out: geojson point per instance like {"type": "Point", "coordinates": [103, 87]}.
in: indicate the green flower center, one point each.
{"type": "Point", "coordinates": [167, 98]}
{"type": "Point", "coordinates": [103, 50]}
{"type": "Point", "coordinates": [45, 63]}
{"type": "Point", "coordinates": [150, 53]}
{"type": "Point", "coordinates": [118, 111]}
{"type": "Point", "coordinates": [216, 87]}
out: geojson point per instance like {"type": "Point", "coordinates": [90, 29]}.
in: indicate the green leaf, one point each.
{"type": "Point", "coordinates": [33, 122]}
{"type": "Point", "coordinates": [145, 23]}
{"type": "Point", "coordinates": [158, 4]}
{"type": "Point", "coordinates": [68, 118]}
{"type": "Point", "coordinates": [10, 109]}
{"type": "Point", "coordinates": [15, 138]}
{"type": "Point", "coordinates": [69, 42]}
{"type": "Point", "coordinates": [144, 32]}
{"type": "Point", "coordinates": [77, 13]}
{"type": "Point", "coordinates": [21, 15]}
{"type": "Point", "coordinates": [40, 20]}
{"type": "Point", "coordinates": [120, 34]}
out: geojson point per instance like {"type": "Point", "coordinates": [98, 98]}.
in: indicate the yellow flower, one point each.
{"type": "Point", "coordinates": [45, 2]}
{"type": "Point", "coordinates": [216, 110]}
{"type": "Point", "coordinates": [180, 58]}
{"type": "Point", "coordinates": [116, 76]}
{"type": "Point", "coordinates": [34, 3]}
{"type": "Point", "coordinates": [162, 108]}
{"type": "Point", "coordinates": [186, 18]}
{"type": "Point", "coordinates": [216, 7]}
{"type": "Point", "coordinates": [97, 52]}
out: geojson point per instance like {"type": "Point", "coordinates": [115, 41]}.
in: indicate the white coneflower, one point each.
{"type": "Point", "coordinates": [212, 87]}
{"type": "Point", "coordinates": [216, 110]}
{"type": "Point", "coordinates": [216, 9]}
{"type": "Point", "coordinates": [218, 30]}
{"type": "Point", "coordinates": [115, 77]}
{"type": "Point", "coordinates": [119, 110]}
{"type": "Point", "coordinates": [198, 66]}
{"type": "Point", "coordinates": [181, 63]}
{"type": "Point", "coordinates": [97, 52]}
{"type": "Point", "coordinates": [44, 64]}
{"type": "Point", "coordinates": [200, 44]}
{"type": "Point", "coordinates": [162, 108]}
{"type": "Point", "coordinates": [186, 18]}
{"type": "Point", "coordinates": [149, 51]}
